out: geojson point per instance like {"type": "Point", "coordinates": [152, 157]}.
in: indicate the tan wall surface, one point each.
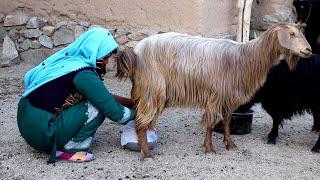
{"type": "Point", "coordinates": [163, 15]}
{"type": "Point", "coordinates": [205, 17]}
{"type": "Point", "coordinates": [218, 17]}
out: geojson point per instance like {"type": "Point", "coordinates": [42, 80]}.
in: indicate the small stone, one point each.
{"type": "Point", "coordinates": [46, 41]}
{"type": "Point", "coordinates": [62, 36]}
{"type": "Point", "coordinates": [20, 40]}
{"type": "Point", "coordinates": [14, 34]}
{"type": "Point", "coordinates": [15, 20]}
{"type": "Point", "coordinates": [120, 32]}
{"type": "Point", "coordinates": [136, 36]}
{"type": "Point", "coordinates": [270, 19]}
{"type": "Point", "coordinates": [60, 24]}
{"type": "Point", "coordinates": [1, 18]}
{"type": "Point", "coordinates": [84, 24]}
{"type": "Point", "coordinates": [149, 32]}
{"type": "Point", "coordinates": [93, 25]}
{"type": "Point", "coordinates": [26, 44]}
{"type": "Point", "coordinates": [3, 32]}
{"type": "Point", "coordinates": [36, 22]}
{"type": "Point", "coordinates": [10, 54]}
{"type": "Point", "coordinates": [122, 39]}
{"type": "Point", "coordinates": [35, 44]}
{"type": "Point", "coordinates": [78, 30]}
{"type": "Point", "coordinates": [112, 31]}
{"type": "Point", "coordinates": [131, 44]}
{"type": "Point", "coordinates": [18, 177]}
{"type": "Point", "coordinates": [71, 24]}
{"type": "Point", "coordinates": [17, 45]}
{"type": "Point", "coordinates": [31, 33]}
{"type": "Point", "coordinates": [48, 30]}
{"type": "Point", "coordinates": [35, 56]}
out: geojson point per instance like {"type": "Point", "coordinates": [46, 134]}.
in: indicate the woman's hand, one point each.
{"type": "Point", "coordinates": [125, 101]}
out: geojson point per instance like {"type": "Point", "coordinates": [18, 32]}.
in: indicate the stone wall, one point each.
{"type": "Point", "coordinates": [33, 39]}
{"type": "Point", "coordinates": [197, 17]}
{"type": "Point", "coordinates": [266, 12]}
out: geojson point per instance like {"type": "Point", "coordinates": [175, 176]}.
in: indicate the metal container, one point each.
{"type": "Point", "coordinates": [241, 123]}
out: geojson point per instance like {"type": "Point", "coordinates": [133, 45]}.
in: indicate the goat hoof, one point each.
{"type": "Point", "coordinates": [271, 141]}
{"type": "Point", "coordinates": [231, 146]}
{"type": "Point", "coordinates": [315, 149]}
{"type": "Point", "coordinates": [210, 151]}
{"type": "Point", "coordinates": [148, 156]}
{"type": "Point", "coordinates": [147, 159]}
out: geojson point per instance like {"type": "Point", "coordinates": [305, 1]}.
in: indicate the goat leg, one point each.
{"type": "Point", "coordinates": [143, 143]}
{"type": "Point", "coordinates": [227, 137]}
{"type": "Point", "coordinates": [208, 141]}
{"type": "Point", "coordinates": [272, 137]}
{"type": "Point", "coordinates": [316, 126]}
{"type": "Point", "coordinates": [207, 123]}
{"type": "Point", "coordinates": [316, 147]}
{"type": "Point", "coordinates": [316, 120]}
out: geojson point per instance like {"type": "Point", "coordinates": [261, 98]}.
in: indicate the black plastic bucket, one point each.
{"type": "Point", "coordinates": [241, 123]}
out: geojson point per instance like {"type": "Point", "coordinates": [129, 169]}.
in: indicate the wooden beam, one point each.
{"type": "Point", "coordinates": [246, 20]}
{"type": "Point", "coordinates": [240, 7]}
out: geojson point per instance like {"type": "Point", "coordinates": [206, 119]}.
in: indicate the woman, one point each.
{"type": "Point", "coordinates": [65, 100]}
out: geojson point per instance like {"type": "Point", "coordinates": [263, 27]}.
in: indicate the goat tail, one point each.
{"type": "Point", "coordinates": [125, 61]}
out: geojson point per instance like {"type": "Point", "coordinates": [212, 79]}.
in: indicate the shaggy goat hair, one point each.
{"type": "Point", "coordinates": [218, 75]}
{"type": "Point", "coordinates": [287, 93]}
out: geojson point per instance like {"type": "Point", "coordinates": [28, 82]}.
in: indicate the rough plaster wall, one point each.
{"type": "Point", "coordinates": [265, 12]}
{"type": "Point", "coordinates": [164, 15]}
{"type": "Point", "coordinates": [205, 17]}
{"type": "Point", "coordinates": [218, 17]}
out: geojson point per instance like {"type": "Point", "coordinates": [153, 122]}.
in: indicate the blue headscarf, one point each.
{"type": "Point", "coordinates": [84, 52]}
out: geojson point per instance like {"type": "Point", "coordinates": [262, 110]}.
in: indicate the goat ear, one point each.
{"type": "Point", "coordinates": [284, 38]}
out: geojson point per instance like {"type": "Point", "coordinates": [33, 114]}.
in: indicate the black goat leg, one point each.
{"type": "Point", "coordinates": [316, 120]}
{"type": "Point", "coordinates": [316, 147]}
{"type": "Point", "coordinates": [316, 127]}
{"type": "Point", "coordinates": [272, 137]}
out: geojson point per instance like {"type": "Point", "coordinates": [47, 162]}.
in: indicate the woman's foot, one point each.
{"type": "Point", "coordinates": [80, 156]}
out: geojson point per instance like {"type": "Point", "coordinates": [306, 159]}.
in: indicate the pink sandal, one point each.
{"type": "Point", "coordinates": [78, 157]}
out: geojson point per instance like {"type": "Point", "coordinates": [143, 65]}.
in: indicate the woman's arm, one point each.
{"type": "Point", "coordinates": [125, 101]}
{"type": "Point", "coordinates": [89, 84]}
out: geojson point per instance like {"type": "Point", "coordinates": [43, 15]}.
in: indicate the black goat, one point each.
{"type": "Point", "coordinates": [287, 93]}
{"type": "Point", "coordinates": [309, 13]}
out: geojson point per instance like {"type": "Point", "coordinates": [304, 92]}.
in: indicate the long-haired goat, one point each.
{"type": "Point", "coordinates": [287, 93]}
{"type": "Point", "coordinates": [215, 74]}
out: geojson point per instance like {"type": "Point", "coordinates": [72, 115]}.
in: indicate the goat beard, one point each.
{"type": "Point", "coordinates": [292, 60]}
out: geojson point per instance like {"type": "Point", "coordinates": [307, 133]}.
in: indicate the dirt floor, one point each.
{"type": "Point", "coordinates": [179, 154]}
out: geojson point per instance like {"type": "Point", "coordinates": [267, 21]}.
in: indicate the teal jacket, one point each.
{"type": "Point", "coordinates": [84, 52]}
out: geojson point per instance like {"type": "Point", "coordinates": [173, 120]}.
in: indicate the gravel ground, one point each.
{"type": "Point", "coordinates": [179, 154]}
